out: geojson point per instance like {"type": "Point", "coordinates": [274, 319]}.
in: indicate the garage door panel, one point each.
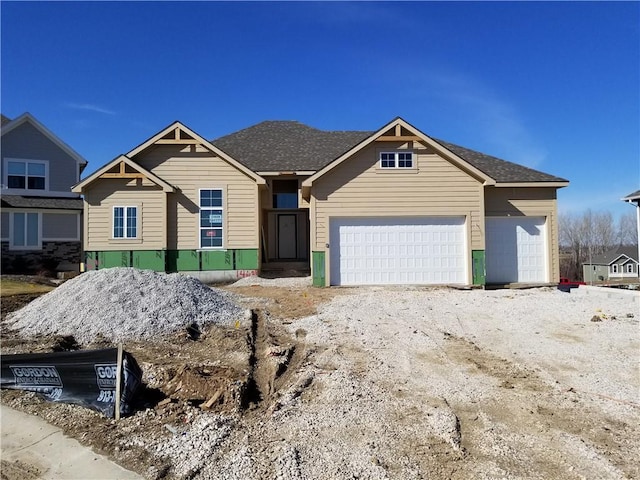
{"type": "Point", "coordinates": [516, 250]}
{"type": "Point", "coordinates": [425, 250]}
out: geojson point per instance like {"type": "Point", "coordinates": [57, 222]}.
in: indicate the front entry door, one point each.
{"type": "Point", "coordinates": [287, 236]}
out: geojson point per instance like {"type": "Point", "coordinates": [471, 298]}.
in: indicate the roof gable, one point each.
{"type": "Point", "coordinates": [28, 118]}
{"type": "Point", "coordinates": [123, 167]}
{"type": "Point", "coordinates": [400, 130]}
{"type": "Point", "coordinates": [179, 134]}
{"type": "Point", "coordinates": [610, 256]}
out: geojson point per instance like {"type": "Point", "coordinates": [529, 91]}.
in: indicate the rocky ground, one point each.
{"type": "Point", "coordinates": [375, 383]}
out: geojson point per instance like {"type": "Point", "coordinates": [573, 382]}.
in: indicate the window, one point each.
{"type": "Point", "coordinates": [26, 174]}
{"type": "Point", "coordinates": [125, 222]}
{"type": "Point", "coordinates": [285, 193]}
{"type": "Point", "coordinates": [26, 231]}
{"type": "Point", "coordinates": [396, 160]}
{"type": "Point", "coordinates": [629, 267]}
{"type": "Point", "coordinates": [614, 268]}
{"type": "Point", "coordinates": [211, 216]}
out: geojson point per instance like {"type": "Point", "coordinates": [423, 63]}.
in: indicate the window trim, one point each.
{"type": "Point", "coordinates": [629, 268]}
{"type": "Point", "coordinates": [125, 220]}
{"type": "Point", "coordinates": [396, 160]}
{"type": "Point", "coordinates": [12, 244]}
{"type": "Point", "coordinates": [26, 161]}
{"type": "Point", "coordinates": [614, 268]}
{"type": "Point", "coordinates": [222, 223]}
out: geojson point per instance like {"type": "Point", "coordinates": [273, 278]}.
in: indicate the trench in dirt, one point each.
{"type": "Point", "coordinates": [273, 359]}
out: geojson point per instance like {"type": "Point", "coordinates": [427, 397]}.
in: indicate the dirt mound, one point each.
{"type": "Point", "coordinates": [126, 304]}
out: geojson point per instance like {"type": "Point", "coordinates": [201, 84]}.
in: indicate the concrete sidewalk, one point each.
{"type": "Point", "coordinates": [33, 449]}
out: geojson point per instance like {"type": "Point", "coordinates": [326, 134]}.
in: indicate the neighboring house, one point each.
{"type": "Point", "coordinates": [619, 263]}
{"type": "Point", "coordinates": [634, 199]}
{"type": "Point", "coordinates": [40, 217]}
{"type": "Point", "coordinates": [393, 206]}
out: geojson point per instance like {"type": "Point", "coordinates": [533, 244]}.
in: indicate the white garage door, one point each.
{"type": "Point", "coordinates": [516, 250]}
{"type": "Point", "coordinates": [425, 250]}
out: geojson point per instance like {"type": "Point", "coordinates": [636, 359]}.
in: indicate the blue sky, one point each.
{"type": "Point", "coordinates": [554, 86]}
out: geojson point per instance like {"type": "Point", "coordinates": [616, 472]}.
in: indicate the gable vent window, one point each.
{"type": "Point", "coordinates": [396, 160]}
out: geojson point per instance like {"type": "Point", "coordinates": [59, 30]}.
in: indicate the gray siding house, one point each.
{"type": "Point", "coordinates": [40, 218]}
{"type": "Point", "coordinates": [618, 264]}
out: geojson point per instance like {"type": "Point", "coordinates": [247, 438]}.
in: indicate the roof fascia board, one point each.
{"type": "Point", "coordinates": [533, 184]}
{"type": "Point", "coordinates": [27, 117]}
{"type": "Point", "coordinates": [426, 139]}
{"type": "Point", "coordinates": [166, 187]}
{"type": "Point", "coordinates": [205, 143]}
{"type": "Point", "coordinates": [287, 172]}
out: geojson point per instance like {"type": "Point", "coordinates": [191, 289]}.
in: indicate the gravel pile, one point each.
{"type": "Point", "coordinates": [126, 304]}
{"type": "Point", "coordinates": [284, 282]}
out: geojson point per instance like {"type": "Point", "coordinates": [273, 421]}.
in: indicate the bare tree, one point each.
{"type": "Point", "coordinates": [627, 230]}
{"type": "Point", "coordinates": [584, 236]}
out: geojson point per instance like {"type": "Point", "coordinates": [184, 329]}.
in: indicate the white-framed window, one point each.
{"type": "Point", "coordinates": [211, 218]}
{"type": "Point", "coordinates": [125, 222]}
{"type": "Point", "coordinates": [25, 231]}
{"type": "Point", "coordinates": [614, 268]}
{"type": "Point", "coordinates": [396, 159]}
{"type": "Point", "coordinates": [26, 174]}
{"type": "Point", "coordinates": [629, 268]}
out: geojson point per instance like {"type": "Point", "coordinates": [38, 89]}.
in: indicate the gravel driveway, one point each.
{"type": "Point", "coordinates": [436, 383]}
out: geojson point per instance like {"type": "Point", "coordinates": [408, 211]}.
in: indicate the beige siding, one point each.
{"type": "Point", "coordinates": [108, 193]}
{"type": "Point", "coordinates": [190, 169]}
{"type": "Point", "coordinates": [528, 201]}
{"type": "Point", "coordinates": [359, 188]}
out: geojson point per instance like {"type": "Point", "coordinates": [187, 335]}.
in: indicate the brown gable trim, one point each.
{"type": "Point", "coordinates": [121, 163]}
{"type": "Point", "coordinates": [179, 134]}
{"type": "Point", "coordinates": [384, 133]}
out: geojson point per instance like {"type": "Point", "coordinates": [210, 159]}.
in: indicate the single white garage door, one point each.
{"type": "Point", "coordinates": [516, 250]}
{"type": "Point", "coordinates": [376, 251]}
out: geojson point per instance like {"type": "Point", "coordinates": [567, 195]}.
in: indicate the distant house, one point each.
{"type": "Point", "coordinates": [617, 264]}
{"type": "Point", "coordinates": [634, 199]}
{"type": "Point", "coordinates": [392, 206]}
{"type": "Point", "coordinates": [40, 226]}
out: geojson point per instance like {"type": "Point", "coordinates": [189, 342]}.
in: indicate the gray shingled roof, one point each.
{"type": "Point", "coordinates": [632, 196]}
{"type": "Point", "coordinates": [19, 201]}
{"type": "Point", "coordinates": [500, 170]}
{"type": "Point", "coordinates": [607, 257]}
{"type": "Point", "coordinates": [278, 145]}
{"type": "Point", "coordinates": [4, 120]}
{"type": "Point", "coordinates": [289, 145]}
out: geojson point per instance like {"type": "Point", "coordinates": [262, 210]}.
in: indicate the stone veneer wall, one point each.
{"type": "Point", "coordinates": [54, 256]}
